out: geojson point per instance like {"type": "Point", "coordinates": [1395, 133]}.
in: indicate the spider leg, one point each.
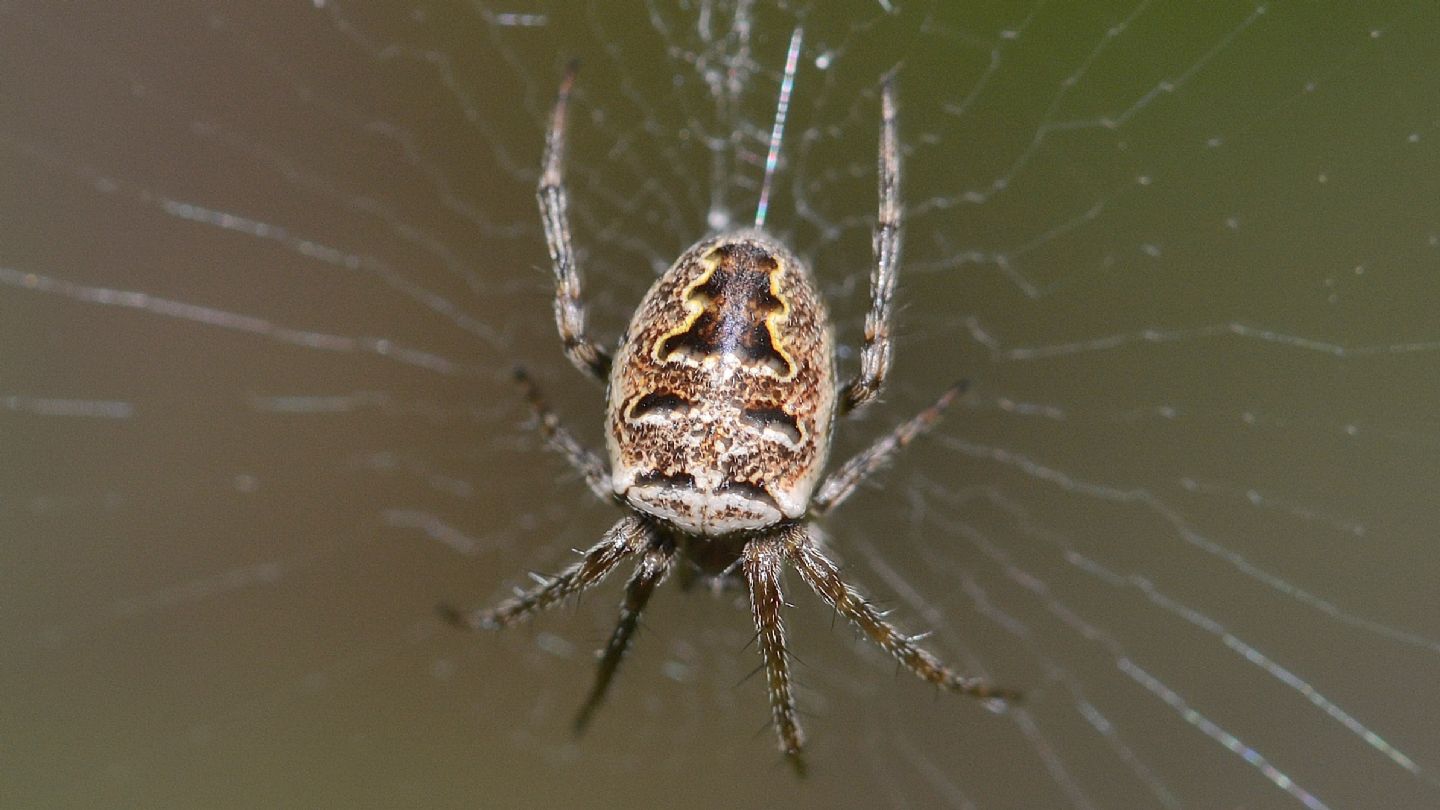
{"type": "Point", "coordinates": [554, 202]}
{"type": "Point", "coordinates": [651, 571]}
{"type": "Point", "coordinates": [875, 353]}
{"type": "Point", "coordinates": [764, 560]}
{"type": "Point", "coordinates": [582, 458]}
{"type": "Point", "coordinates": [824, 578]}
{"type": "Point", "coordinates": [628, 536]}
{"type": "Point", "coordinates": [842, 483]}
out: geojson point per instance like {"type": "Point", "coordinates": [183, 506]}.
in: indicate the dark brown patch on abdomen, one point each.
{"type": "Point", "coordinates": [736, 303]}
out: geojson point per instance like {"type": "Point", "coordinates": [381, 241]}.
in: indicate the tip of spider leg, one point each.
{"type": "Point", "coordinates": [796, 759]}
{"type": "Point", "coordinates": [1000, 704]}
{"type": "Point", "coordinates": [466, 621]}
{"type": "Point", "coordinates": [582, 722]}
{"type": "Point", "coordinates": [1008, 696]}
{"type": "Point", "coordinates": [567, 80]}
{"type": "Point", "coordinates": [451, 615]}
{"type": "Point", "coordinates": [956, 390]}
{"type": "Point", "coordinates": [995, 698]}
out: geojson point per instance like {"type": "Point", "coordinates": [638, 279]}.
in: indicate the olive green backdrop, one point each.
{"type": "Point", "coordinates": [264, 270]}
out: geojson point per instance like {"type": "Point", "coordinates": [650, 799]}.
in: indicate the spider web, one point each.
{"type": "Point", "coordinates": [264, 273]}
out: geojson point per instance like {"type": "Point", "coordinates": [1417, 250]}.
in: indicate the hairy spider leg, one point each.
{"type": "Point", "coordinates": [554, 201]}
{"type": "Point", "coordinates": [824, 578]}
{"type": "Point", "coordinates": [842, 483]}
{"type": "Point", "coordinates": [764, 561]}
{"type": "Point", "coordinates": [651, 571]}
{"type": "Point", "coordinates": [626, 537]}
{"type": "Point", "coordinates": [876, 351]}
{"type": "Point", "coordinates": [561, 440]}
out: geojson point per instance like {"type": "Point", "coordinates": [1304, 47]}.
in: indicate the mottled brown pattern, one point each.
{"type": "Point", "coordinates": [726, 376]}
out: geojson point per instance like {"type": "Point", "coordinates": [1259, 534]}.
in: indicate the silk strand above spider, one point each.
{"type": "Point", "coordinates": [722, 396]}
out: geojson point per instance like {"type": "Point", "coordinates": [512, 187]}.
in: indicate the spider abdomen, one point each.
{"type": "Point", "coordinates": [723, 391]}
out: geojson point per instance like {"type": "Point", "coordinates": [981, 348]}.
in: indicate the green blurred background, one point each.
{"type": "Point", "coordinates": [264, 269]}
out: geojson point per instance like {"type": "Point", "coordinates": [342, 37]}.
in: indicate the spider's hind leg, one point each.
{"type": "Point", "coordinates": [651, 571]}
{"type": "Point", "coordinates": [824, 578]}
{"type": "Point", "coordinates": [763, 563]}
{"type": "Point", "coordinates": [627, 537]}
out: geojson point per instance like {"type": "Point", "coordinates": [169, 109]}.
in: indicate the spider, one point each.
{"type": "Point", "coordinates": [721, 398]}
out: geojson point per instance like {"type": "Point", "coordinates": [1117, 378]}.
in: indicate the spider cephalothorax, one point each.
{"type": "Point", "coordinates": [721, 400]}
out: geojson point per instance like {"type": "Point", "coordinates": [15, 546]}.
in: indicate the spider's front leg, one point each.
{"type": "Point", "coordinates": [875, 353]}
{"type": "Point", "coordinates": [554, 204]}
